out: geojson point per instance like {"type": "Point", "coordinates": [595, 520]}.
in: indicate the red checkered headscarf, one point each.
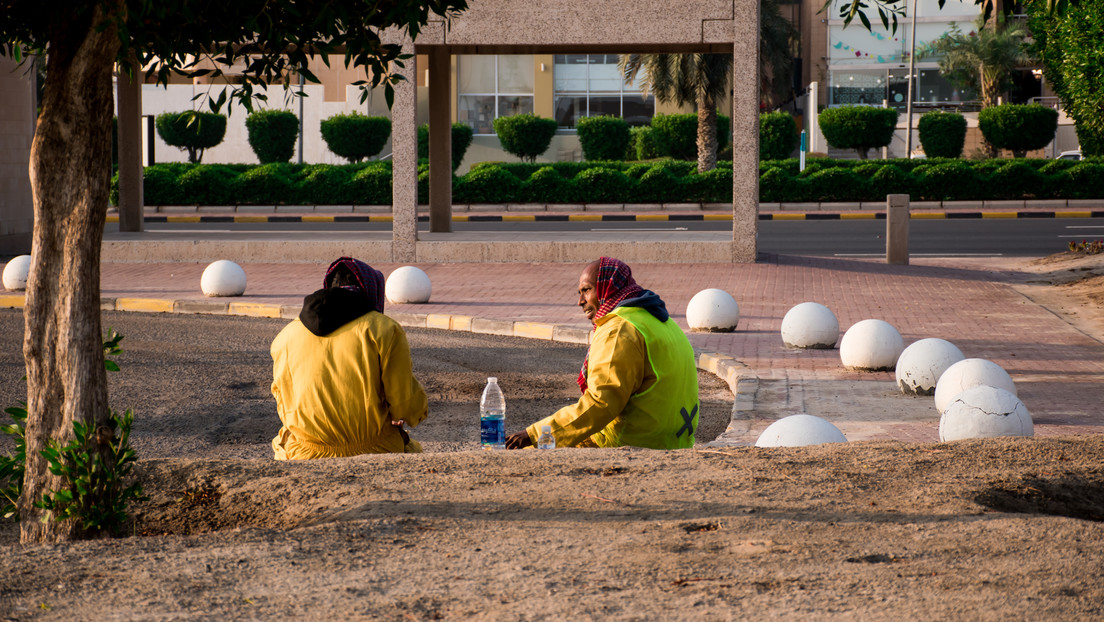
{"type": "Point", "coordinates": [614, 284]}
{"type": "Point", "coordinates": [370, 280]}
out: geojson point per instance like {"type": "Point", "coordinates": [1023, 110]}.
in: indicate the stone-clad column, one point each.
{"type": "Point", "coordinates": [404, 145]}
{"type": "Point", "coordinates": [17, 121]}
{"type": "Point", "coordinates": [745, 132]}
{"type": "Point", "coordinates": [131, 200]}
{"type": "Point", "coordinates": [440, 140]}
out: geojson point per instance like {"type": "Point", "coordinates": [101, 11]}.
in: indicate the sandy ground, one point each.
{"type": "Point", "coordinates": [998, 529]}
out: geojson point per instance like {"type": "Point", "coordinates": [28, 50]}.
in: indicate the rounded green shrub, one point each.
{"type": "Point", "coordinates": [836, 184]}
{"type": "Point", "coordinates": [778, 135]}
{"type": "Point", "coordinates": [712, 186]}
{"type": "Point", "coordinates": [1016, 180]}
{"type": "Point", "coordinates": [603, 185]}
{"type": "Point", "coordinates": [1018, 128]}
{"type": "Point", "coordinates": [603, 138]}
{"type": "Point", "coordinates": [525, 135]}
{"type": "Point", "coordinates": [677, 134]}
{"type": "Point", "coordinates": [487, 184]}
{"type": "Point", "coordinates": [1085, 180]}
{"type": "Point", "coordinates": [890, 179]}
{"type": "Point", "coordinates": [548, 186]}
{"type": "Point", "coordinates": [776, 186]}
{"type": "Point", "coordinates": [267, 184]}
{"type": "Point", "coordinates": [947, 181]}
{"type": "Point", "coordinates": [326, 184]}
{"type": "Point", "coordinates": [659, 185]}
{"type": "Point", "coordinates": [371, 185]}
{"type": "Point", "coordinates": [272, 134]}
{"type": "Point", "coordinates": [159, 185]}
{"type": "Point", "coordinates": [942, 134]}
{"type": "Point", "coordinates": [356, 136]}
{"type": "Point", "coordinates": [209, 184]}
{"type": "Point", "coordinates": [861, 128]}
{"type": "Point", "coordinates": [645, 143]}
{"type": "Point", "coordinates": [462, 135]}
{"type": "Point", "coordinates": [191, 131]}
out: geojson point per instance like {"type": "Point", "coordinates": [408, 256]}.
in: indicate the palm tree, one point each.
{"type": "Point", "coordinates": [983, 59]}
{"type": "Point", "coordinates": [698, 79]}
{"type": "Point", "coordinates": [702, 79]}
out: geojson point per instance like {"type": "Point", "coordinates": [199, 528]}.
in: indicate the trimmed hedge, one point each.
{"type": "Point", "coordinates": [603, 138]}
{"type": "Point", "coordinates": [676, 135]}
{"type": "Point", "coordinates": [861, 128]}
{"type": "Point", "coordinates": [942, 134]}
{"type": "Point", "coordinates": [191, 131]}
{"type": "Point", "coordinates": [355, 136]}
{"type": "Point", "coordinates": [462, 135]}
{"type": "Point", "coordinates": [778, 135]}
{"type": "Point", "coordinates": [1018, 128]}
{"type": "Point", "coordinates": [272, 134]}
{"type": "Point", "coordinates": [525, 135]}
{"type": "Point", "coordinates": [662, 181]}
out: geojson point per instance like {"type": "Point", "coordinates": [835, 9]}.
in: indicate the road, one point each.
{"type": "Point", "coordinates": [844, 238]}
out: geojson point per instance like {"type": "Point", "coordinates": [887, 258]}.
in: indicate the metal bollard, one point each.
{"type": "Point", "coordinates": [897, 229]}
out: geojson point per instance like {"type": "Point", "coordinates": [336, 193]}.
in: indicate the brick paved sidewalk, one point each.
{"type": "Point", "coordinates": [1059, 371]}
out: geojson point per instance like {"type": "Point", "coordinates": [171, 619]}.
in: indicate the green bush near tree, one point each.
{"type": "Point", "coordinates": [645, 143]}
{"type": "Point", "coordinates": [1018, 128]}
{"type": "Point", "coordinates": [462, 135]}
{"type": "Point", "coordinates": [356, 136]}
{"type": "Point", "coordinates": [603, 138]}
{"type": "Point", "coordinates": [371, 185]}
{"type": "Point", "coordinates": [945, 181]}
{"type": "Point", "coordinates": [778, 135]}
{"type": "Point", "coordinates": [268, 184]}
{"type": "Point", "coordinates": [326, 184]}
{"type": "Point", "coordinates": [942, 134]}
{"type": "Point", "coordinates": [191, 131]}
{"type": "Point", "coordinates": [861, 128]}
{"type": "Point", "coordinates": [207, 185]}
{"type": "Point", "coordinates": [602, 185]}
{"type": "Point", "coordinates": [1016, 180]}
{"type": "Point", "coordinates": [677, 134]}
{"type": "Point", "coordinates": [487, 185]}
{"type": "Point", "coordinates": [547, 185]}
{"type": "Point", "coordinates": [272, 134]}
{"type": "Point", "coordinates": [525, 135]}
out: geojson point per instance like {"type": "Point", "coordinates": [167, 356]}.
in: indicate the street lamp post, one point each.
{"type": "Point", "coordinates": [911, 77]}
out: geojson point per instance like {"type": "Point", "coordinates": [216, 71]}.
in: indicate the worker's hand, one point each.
{"type": "Point", "coordinates": [519, 441]}
{"type": "Point", "coordinates": [399, 424]}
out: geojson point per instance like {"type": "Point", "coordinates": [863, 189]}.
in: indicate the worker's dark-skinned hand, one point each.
{"type": "Point", "coordinates": [519, 441]}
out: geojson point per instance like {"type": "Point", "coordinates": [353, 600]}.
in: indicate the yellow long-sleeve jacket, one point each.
{"type": "Point", "coordinates": [337, 394]}
{"type": "Point", "coordinates": [642, 387]}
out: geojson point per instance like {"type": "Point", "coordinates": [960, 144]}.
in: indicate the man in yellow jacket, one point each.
{"type": "Point", "coordinates": [342, 373]}
{"type": "Point", "coordinates": [639, 380]}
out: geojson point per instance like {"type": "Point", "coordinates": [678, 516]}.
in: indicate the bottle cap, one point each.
{"type": "Point", "coordinates": [547, 429]}
{"type": "Point", "coordinates": [492, 379]}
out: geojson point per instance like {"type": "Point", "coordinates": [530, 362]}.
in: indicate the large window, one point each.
{"type": "Point", "coordinates": [493, 86]}
{"type": "Point", "coordinates": [589, 85]}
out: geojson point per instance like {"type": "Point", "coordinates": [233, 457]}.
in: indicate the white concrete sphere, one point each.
{"type": "Point", "coordinates": [16, 272]}
{"type": "Point", "coordinates": [408, 285]}
{"type": "Point", "coordinates": [810, 325]}
{"type": "Point", "coordinates": [922, 363]}
{"type": "Point", "coordinates": [872, 345]}
{"type": "Point", "coordinates": [223, 278]}
{"type": "Point", "coordinates": [969, 373]}
{"type": "Point", "coordinates": [799, 430]}
{"type": "Point", "coordinates": [985, 412]}
{"type": "Point", "coordinates": [712, 310]}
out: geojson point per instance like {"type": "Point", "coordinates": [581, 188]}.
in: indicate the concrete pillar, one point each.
{"type": "Point", "coordinates": [17, 122]}
{"type": "Point", "coordinates": [897, 229]}
{"type": "Point", "coordinates": [404, 145]}
{"type": "Point", "coordinates": [745, 132]}
{"type": "Point", "coordinates": [440, 140]}
{"type": "Point", "coordinates": [131, 200]}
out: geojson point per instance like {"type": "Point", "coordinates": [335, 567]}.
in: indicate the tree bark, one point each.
{"type": "Point", "coordinates": [707, 133]}
{"type": "Point", "coordinates": [70, 172]}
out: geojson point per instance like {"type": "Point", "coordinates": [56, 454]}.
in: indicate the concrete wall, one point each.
{"type": "Point", "coordinates": [17, 116]}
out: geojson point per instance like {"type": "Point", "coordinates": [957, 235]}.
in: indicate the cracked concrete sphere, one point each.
{"type": "Point", "coordinates": [408, 285]}
{"type": "Point", "coordinates": [223, 278]}
{"type": "Point", "coordinates": [16, 272]}
{"type": "Point", "coordinates": [985, 412]}
{"type": "Point", "coordinates": [922, 363]}
{"type": "Point", "coordinates": [969, 373]}
{"type": "Point", "coordinates": [871, 345]}
{"type": "Point", "coordinates": [810, 325]}
{"type": "Point", "coordinates": [799, 430]}
{"type": "Point", "coordinates": [712, 310]}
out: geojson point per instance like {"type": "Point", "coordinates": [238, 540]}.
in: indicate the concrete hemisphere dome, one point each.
{"type": "Point", "coordinates": [223, 278]}
{"type": "Point", "coordinates": [800, 430]}
{"type": "Point", "coordinates": [712, 310]}
{"type": "Point", "coordinates": [985, 412]}
{"type": "Point", "coordinates": [16, 272]}
{"type": "Point", "coordinates": [810, 325]}
{"type": "Point", "coordinates": [408, 285]}
{"type": "Point", "coordinates": [969, 373]}
{"type": "Point", "coordinates": [871, 345]}
{"type": "Point", "coordinates": [922, 363]}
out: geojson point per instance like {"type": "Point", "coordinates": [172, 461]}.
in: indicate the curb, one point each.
{"type": "Point", "coordinates": [722, 217]}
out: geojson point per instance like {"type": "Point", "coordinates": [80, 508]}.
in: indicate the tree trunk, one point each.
{"type": "Point", "coordinates": [707, 133]}
{"type": "Point", "coordinates": [70, 175]}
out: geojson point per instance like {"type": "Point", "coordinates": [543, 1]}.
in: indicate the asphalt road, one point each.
{"type": "Point", "coordinates": [844, 238]}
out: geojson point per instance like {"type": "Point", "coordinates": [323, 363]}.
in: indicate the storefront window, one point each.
{"type": "Point", "coordinates": [590, 85]}
{"type": "Point", "coordinates": [493, 86]}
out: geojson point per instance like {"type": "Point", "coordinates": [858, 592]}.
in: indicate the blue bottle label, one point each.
{"type": "Point", "coordinates": [492, 431]}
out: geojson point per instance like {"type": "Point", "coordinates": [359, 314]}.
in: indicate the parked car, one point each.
{"type": "Point", "coordinates": [1070, 155]}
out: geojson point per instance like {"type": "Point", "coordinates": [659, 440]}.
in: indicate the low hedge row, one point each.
{"type": "Point", "coordinates": [662, 181]}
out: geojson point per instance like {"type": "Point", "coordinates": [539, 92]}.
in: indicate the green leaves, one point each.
{"type": "Point", "coordinates": [12, 465]}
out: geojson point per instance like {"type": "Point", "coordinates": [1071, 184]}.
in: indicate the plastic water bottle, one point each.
{"type": "Point", "coordinates": [492, 416]}
{"type": "Point", "coordinates": [546, 440]}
